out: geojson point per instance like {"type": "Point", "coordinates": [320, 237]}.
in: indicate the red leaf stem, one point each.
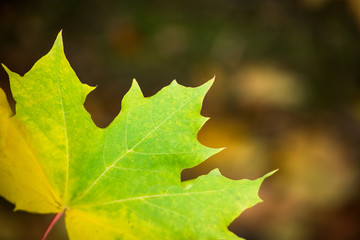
{"type": "Point", "coordinates": [55, 219]}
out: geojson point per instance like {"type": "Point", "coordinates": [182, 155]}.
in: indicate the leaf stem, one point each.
{"type": "Point", "coordinates": [55, 219]}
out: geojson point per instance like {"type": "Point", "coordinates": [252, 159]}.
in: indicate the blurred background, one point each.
{"type": "Point", "coordinates": [286, 95]}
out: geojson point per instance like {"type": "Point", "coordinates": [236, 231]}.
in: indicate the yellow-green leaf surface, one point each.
{"type": "Point", "coordinates": [121, 182]}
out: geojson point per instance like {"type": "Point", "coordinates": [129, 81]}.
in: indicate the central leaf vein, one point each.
{"type": "Point", "coordinates": [65, 129]}
{"type": "Point", "coordinates": [165, 195]}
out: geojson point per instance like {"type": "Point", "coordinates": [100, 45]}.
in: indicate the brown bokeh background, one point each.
{"type": "Point", "coordinates": [286, 95]}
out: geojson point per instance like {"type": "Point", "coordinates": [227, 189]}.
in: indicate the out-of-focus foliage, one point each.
{"type": "Point", "coordinates": [287, 91]}
{"type": "Point", "coordinates": [354, 6]}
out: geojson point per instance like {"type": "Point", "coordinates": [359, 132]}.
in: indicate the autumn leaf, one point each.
{"type": "Point", "coordinates": [120, 182]}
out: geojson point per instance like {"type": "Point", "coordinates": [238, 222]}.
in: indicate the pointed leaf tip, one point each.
{"type": "Point", "coordinates": [135, 87]}
{"type": "Point", "coordinates": [215, 171]}
{"type": "Point", "coordinates": [270, 173]}
{"type": "Point", "coordinates": [211, 81]}
{"type": "Point", "coordinates": [59, 35]}
{"type": "Point", "coordinates": [135, 84]}
{"type": "Point", "coordinates": [59, 41]}
{"type": "Point", "coordinates": [206, 86]}
{"type": "Point", "coordinates": [267, 175]}
{"type": "Point", "coordinates": [5, 68]}
{"type": "Point", "coordinates": [89, 88]}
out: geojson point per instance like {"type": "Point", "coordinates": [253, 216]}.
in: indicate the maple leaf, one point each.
{"type": "Point", "coordinates": [121, 182]}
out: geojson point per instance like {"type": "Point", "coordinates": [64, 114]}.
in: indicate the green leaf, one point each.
{"type": "Point", "coordinates": [121, 182]}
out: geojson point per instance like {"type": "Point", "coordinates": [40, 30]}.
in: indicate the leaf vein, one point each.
{"type": "Point", "coordinates": [65, 128]}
